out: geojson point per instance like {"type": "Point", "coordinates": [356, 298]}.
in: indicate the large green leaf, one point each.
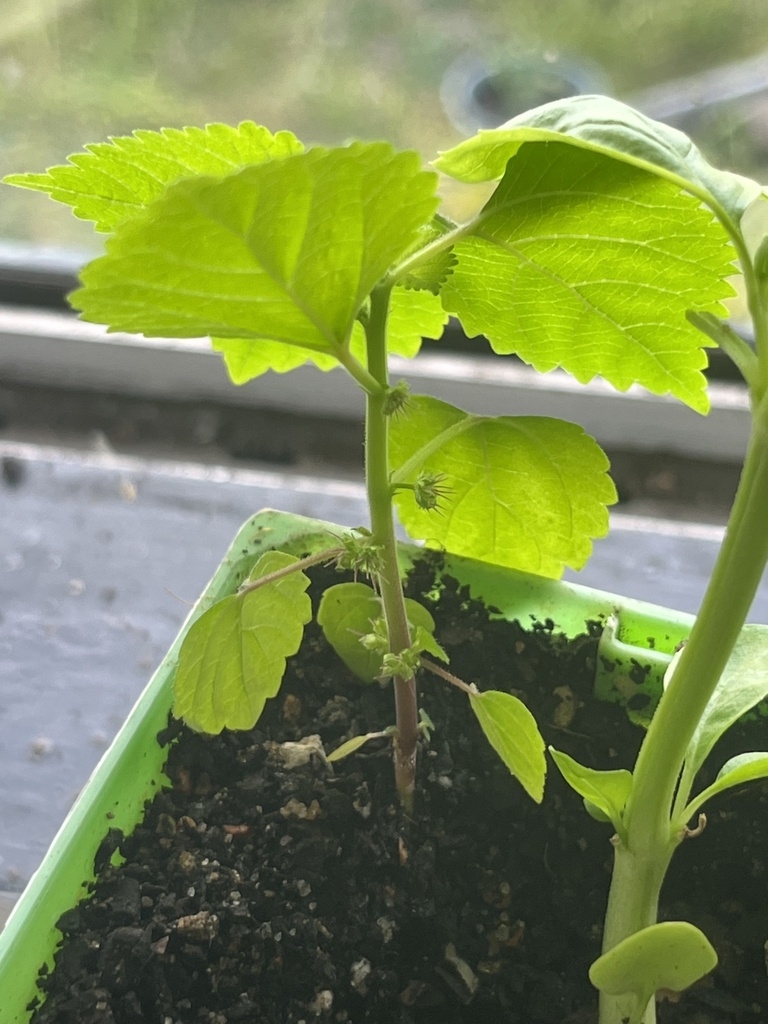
{"type": "Point", "coordinates": [743, 684]}
{"type": "Point", "coordinates": [113, 181]}
{"type": "Point", "coordinates": [526, 492]}
{"type": "Point", "coordinates": [605, 125]}
{"type": "Point", "coordinates": [511, 730]}
{"type": "Point", "coordinates": [590, 264]}
{"type": "Point", "coordinates": [285, 251]}
{"type": "Point", "coordinates": [233, 657]}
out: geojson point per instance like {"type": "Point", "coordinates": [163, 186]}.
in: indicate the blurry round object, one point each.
{"type": "Point", "coordinates": [480, 93]}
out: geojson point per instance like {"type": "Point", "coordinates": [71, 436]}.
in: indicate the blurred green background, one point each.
{"type": "Point", "coordinates": [416, 72]}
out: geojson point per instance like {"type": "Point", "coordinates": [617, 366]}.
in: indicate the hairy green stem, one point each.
{"type": "Point", "coordinates": [303, 563]}
{"type": "Point", "coordinates": [641, 863]}
{"type": "Point", "coordinates": [383, 530]}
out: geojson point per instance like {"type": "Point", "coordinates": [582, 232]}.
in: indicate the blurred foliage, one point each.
{"type": "Point", "coordinates": [73, 71]}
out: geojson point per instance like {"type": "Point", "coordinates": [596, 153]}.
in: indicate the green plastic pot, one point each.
{"type": "Point", "coordinates": [637, 644]}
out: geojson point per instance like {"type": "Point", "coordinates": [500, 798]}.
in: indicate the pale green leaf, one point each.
{"type": "Point", "coordinates": [350, 746]}
{"type": "Point", "coordinates": [525, 492]}
{"type": "Point", "coordinates": [743, 684]}
{"type": "Point", "coordinates": [585, 263]}
{"type": "Point", "coordinates": [434, 266]}
{"type": "Point", "coordinates": [247, 358]}
{"type": "Point", "coordinates": [285, 251]}
{"type": "Point", "coordinates": [606, 790]}
{"type": "Point", "coordinates": [423, 640]}
{"type": "Point", "coordinates": [748, 767]}
{"type": "Point", "coordinates": [605, 125]}
{"type": "Point", "coordinates": [233, 658]}
{"type": "Point", "coordinates": [347, 611]}
{"type": "Point", "coordinates": [413, 315]}
{"type": "Point", "coordinates": [113, 181]}
{"type": "Point", "coordinates": [511, 730]}
{"type": "Point", "coordinates": [671, 956]}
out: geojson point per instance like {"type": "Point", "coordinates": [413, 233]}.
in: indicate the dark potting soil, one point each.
{"type": "Point", "coordinates": [267, 885]}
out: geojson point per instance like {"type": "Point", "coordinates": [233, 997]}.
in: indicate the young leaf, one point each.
{"type": "Point", "coordinates": [606, 790]}
{"type": "Point", "coordinates": [525, 492]}
{"type": "Point", "coordinates": [350, 746]}
{"type": "Point", "coordinates": [748, 767]}
{"type": "Point", "coordinates": [233, 657]}
{"type": "Point", "coordinates": [585, 263]}
{"type": "Point", "coordinates": [743, 684]}
{"type": "Point", "coordinates": [113, 181]}
{"type": "Point", "coordinates": [604, 125]}
{"type": "Point", "coordinates": [346, 613]}
{"type": "Point", "coordinates": [671, 955]}
{"type": "Point", "coordinates": [285, 251]}
{"type": "Point", "coordinates": [512, 732]}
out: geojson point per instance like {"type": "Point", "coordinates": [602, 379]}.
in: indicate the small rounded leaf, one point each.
{"type": "Point", "coordinates": [671, 955]}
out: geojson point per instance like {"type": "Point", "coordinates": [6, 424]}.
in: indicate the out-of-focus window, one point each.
{"type": "Point", "coordinates": [420, 73]}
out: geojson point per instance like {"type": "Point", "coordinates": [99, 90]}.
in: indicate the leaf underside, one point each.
{"type": "Point", "coordinates": [113, 181]}
{"type": "Point", "coordinates": [590, 264]}
{"type": "Point", "coordinates": [525, 492]}
{"type": "Point", "coordinates": [286, 251]}
{"type": "Point", "coordinates": [233, 657]}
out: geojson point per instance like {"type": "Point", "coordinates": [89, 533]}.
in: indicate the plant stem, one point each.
{"type": "Point", "coordinates": [303, 563]}
{"type": "Point", "coordinates": [640, 864]}
{"type": "Point", "coordinates": [383, 530]}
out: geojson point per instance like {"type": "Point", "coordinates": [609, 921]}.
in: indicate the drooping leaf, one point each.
{"type": "Point", "coordinates": [606, 790]}
{"type": "Point", "coordinates": [525, 492]}
{"type": "Point", "coordinates": [285, 251]}
{"type": "Point", "coordinates": [601, 124]}
{"type": "Point", "coordinates": [748, 767]}
{"type": "Point", "coordinates": [233, 657]}
{"type": "Point", "coordinates": [113, 181]}
{"type": "Point", "coordinates": [743, 684]}
{"type": "Point", "coordinates": [671, 955]}
{"type": "Point", "coordinates": [590, 264]}
{"type": "Point", "coordinates": [351, 745]}
{"type": "Point", "coordinates": [347, 612]}
{"type": "Point", "coordinates": [512, 732]}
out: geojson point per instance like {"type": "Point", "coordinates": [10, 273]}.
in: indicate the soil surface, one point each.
{"type": "Point", "coordinates": [269, 885]}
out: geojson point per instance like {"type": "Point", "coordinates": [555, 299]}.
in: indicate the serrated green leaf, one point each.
{"type": "Point", "coordinates": [347, 611]}
{"type": "Point", "coordinates": [671, 955]}
{"type": "Point", "coordinates": [743, 684]}
{"type": "Point", "coordinates": [525, 492]}
{"type": "Point", "coordinates": [412, 317]}
{"type": "Point", "coordinates": [431, 272]}
{"type": "Point", "coordinates": [113, 181]}
{"type": "Point", "coordinates": [248, 358]}
{"type": "Point", "coordinates": [423, 640]}
{"type": "Point", "coordinates": [589, 264]}
{"type": "Point", "coordinates": [605, 125]}
{"type": "Point", "coordinates": [286, 251]}
{"type": "Point", "coordinates": [511, 730]}
{"type": "Point", "coordinates": [748, 767]}
{"type": "Point", "coordinates": [607, 790]}
{"type": "Point", "coordinates": [233, 658]}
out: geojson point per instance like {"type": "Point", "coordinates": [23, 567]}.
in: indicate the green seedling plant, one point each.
{"type": "Point", "coordinates": [605, 248]}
